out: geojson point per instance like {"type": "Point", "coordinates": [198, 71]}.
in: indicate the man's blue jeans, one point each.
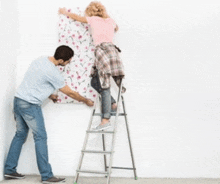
{"type": "Point", "coordinates": [27, 116]}
{"type": "Point", "coordinates": [107, 99]}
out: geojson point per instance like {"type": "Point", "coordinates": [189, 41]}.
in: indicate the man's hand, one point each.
{"type": "Point", "coordinates": [54, 98]}
{"type": "Point", "coordinates": [89, 102]}
{"type": "Point", "coordinates": [75, 95]}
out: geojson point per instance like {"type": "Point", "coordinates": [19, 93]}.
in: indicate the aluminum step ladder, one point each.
{"type": "Point", "coordinates": [108, 169]}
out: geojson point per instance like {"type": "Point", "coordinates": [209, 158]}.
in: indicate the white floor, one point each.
{"type": "Point", "coordinates": [95, 180]}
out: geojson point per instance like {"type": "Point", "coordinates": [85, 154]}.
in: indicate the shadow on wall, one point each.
{"type": "Point", "coordinates": [9, 37]}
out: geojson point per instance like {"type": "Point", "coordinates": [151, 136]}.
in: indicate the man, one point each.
{"type": "Point", "coordinates": [40, 81]}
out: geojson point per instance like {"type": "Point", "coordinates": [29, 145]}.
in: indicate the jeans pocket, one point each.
{"type": "Point", "coordinates": [28, 115]}
{"type": "Point", "coordinates": [26, 110]}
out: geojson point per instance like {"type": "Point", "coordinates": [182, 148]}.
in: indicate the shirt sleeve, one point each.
{"type": "Point", "coordinates": [113, 23]}
{"type": "Point", "coordinates": [89, 20]}
{"type": "Point", "coordinates": [56, 80]}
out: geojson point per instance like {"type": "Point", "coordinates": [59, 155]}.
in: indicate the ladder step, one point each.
{"type": "Point", "coordinates": [113, 114]}
{"type": "Point", "coordinates": [102, 132]}
{"type": "Point", "coordinates": [91, 151]}
{"type": "Point", "coordinates": [89, 171]}
{"type": "Point", "coordinates": [128, 168]}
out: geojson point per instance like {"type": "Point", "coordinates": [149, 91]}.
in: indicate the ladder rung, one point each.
{"type": "Point", "coordinates": [102, 132]}
{"type": "Point", "coordinates": [128, 168]}
{"type": "Point", "coordinates": [113, 114]}
{"type": "Point", "coordinates": [91, 151]}
{"type": "Point", "coordinates": [89, 171]}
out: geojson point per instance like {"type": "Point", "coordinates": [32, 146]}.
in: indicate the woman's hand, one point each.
{"type": "Point", "coordinates": [72, 15]}
{"type": "Point", "coordinates": [62, 11]}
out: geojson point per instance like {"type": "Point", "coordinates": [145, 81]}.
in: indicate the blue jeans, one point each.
{"type": "Point", "coordinates": [107, 99]}
{"type": "Point", "coordinates": [27, 116]}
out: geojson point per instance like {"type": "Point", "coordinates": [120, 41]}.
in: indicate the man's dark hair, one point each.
{"type": "Point", "coordinates": [63, 52]}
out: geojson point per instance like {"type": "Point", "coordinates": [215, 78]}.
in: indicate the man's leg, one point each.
{"type": "Point", "coordinates": [16, 145]}
{"type": "Point", "coordinates": [40, 138]}
{"type": "Point", "coordinates": [36, 122]}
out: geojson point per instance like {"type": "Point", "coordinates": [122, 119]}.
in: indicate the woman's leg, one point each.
{"type": "Point", "coordinates": [107, 100]}
{"type": "Point", "coordinates": [106, 105]}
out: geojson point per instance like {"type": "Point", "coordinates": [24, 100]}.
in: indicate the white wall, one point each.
{"type": "Point", "coordinates": [171, 54]}
{"type": "Point", "coordinates": [8, 51]}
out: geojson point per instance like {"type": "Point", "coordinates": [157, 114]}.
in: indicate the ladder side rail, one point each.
{"type": "Point", "coordinates": [103, 144]}
{"type": "Point", "coordinates": [85, 141]}
{"type": "Point", "coordinates": [129, 138]}
{"type": "Point", "coordinates": [114, 135]}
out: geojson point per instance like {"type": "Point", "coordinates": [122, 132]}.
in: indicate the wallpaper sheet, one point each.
{"type": "Point", "coordinates": [77, 36]}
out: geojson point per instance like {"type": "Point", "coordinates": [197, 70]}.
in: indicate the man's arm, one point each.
{"type": "Point", "coordinates": [72, 94]}
{"type": "Point", "coordinates": [73, 15]}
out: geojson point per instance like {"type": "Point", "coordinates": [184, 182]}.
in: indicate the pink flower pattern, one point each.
{"type": "Point", "coordinates": [76, 74]}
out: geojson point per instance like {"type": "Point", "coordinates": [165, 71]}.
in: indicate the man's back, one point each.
{"type": "Point", "coordinates": [40, 81]}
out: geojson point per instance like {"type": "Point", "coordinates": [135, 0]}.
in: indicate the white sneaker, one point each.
{"type": "Point", "coordinates": [102, 127]}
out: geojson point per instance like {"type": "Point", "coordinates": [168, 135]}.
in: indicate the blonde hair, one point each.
{"type": "Point", "coordinates": [95, 8]}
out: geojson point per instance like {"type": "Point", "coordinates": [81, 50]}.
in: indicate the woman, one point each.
{"type": "Point", "coordinates": [107, 61]}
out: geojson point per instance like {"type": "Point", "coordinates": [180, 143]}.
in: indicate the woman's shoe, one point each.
{"type": "Point", "coordinates": [102, 127]}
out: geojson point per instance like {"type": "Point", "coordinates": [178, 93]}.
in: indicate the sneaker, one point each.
{"type": "Point", "coordinates": [14, 176]}
{"type": "Point", "coordinates": [54, 180]}
{"type": "Point", "coordinates": [102, 127]}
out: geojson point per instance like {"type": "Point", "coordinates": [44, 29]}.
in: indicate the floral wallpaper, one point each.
{"type": "Point", "coordinates": [77, 36]}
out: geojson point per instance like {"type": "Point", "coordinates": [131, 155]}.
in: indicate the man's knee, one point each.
{"type": "Point", "coordinates": [22, 135]}
{"type": "Point", "coordinates": [40, 136]}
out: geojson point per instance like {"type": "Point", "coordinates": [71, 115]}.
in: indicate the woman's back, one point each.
{"type": "Point", "coordinates": [102, 29]}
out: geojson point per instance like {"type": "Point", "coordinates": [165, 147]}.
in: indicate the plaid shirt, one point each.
{"type": "Point", "coordinates": [108, 63]}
